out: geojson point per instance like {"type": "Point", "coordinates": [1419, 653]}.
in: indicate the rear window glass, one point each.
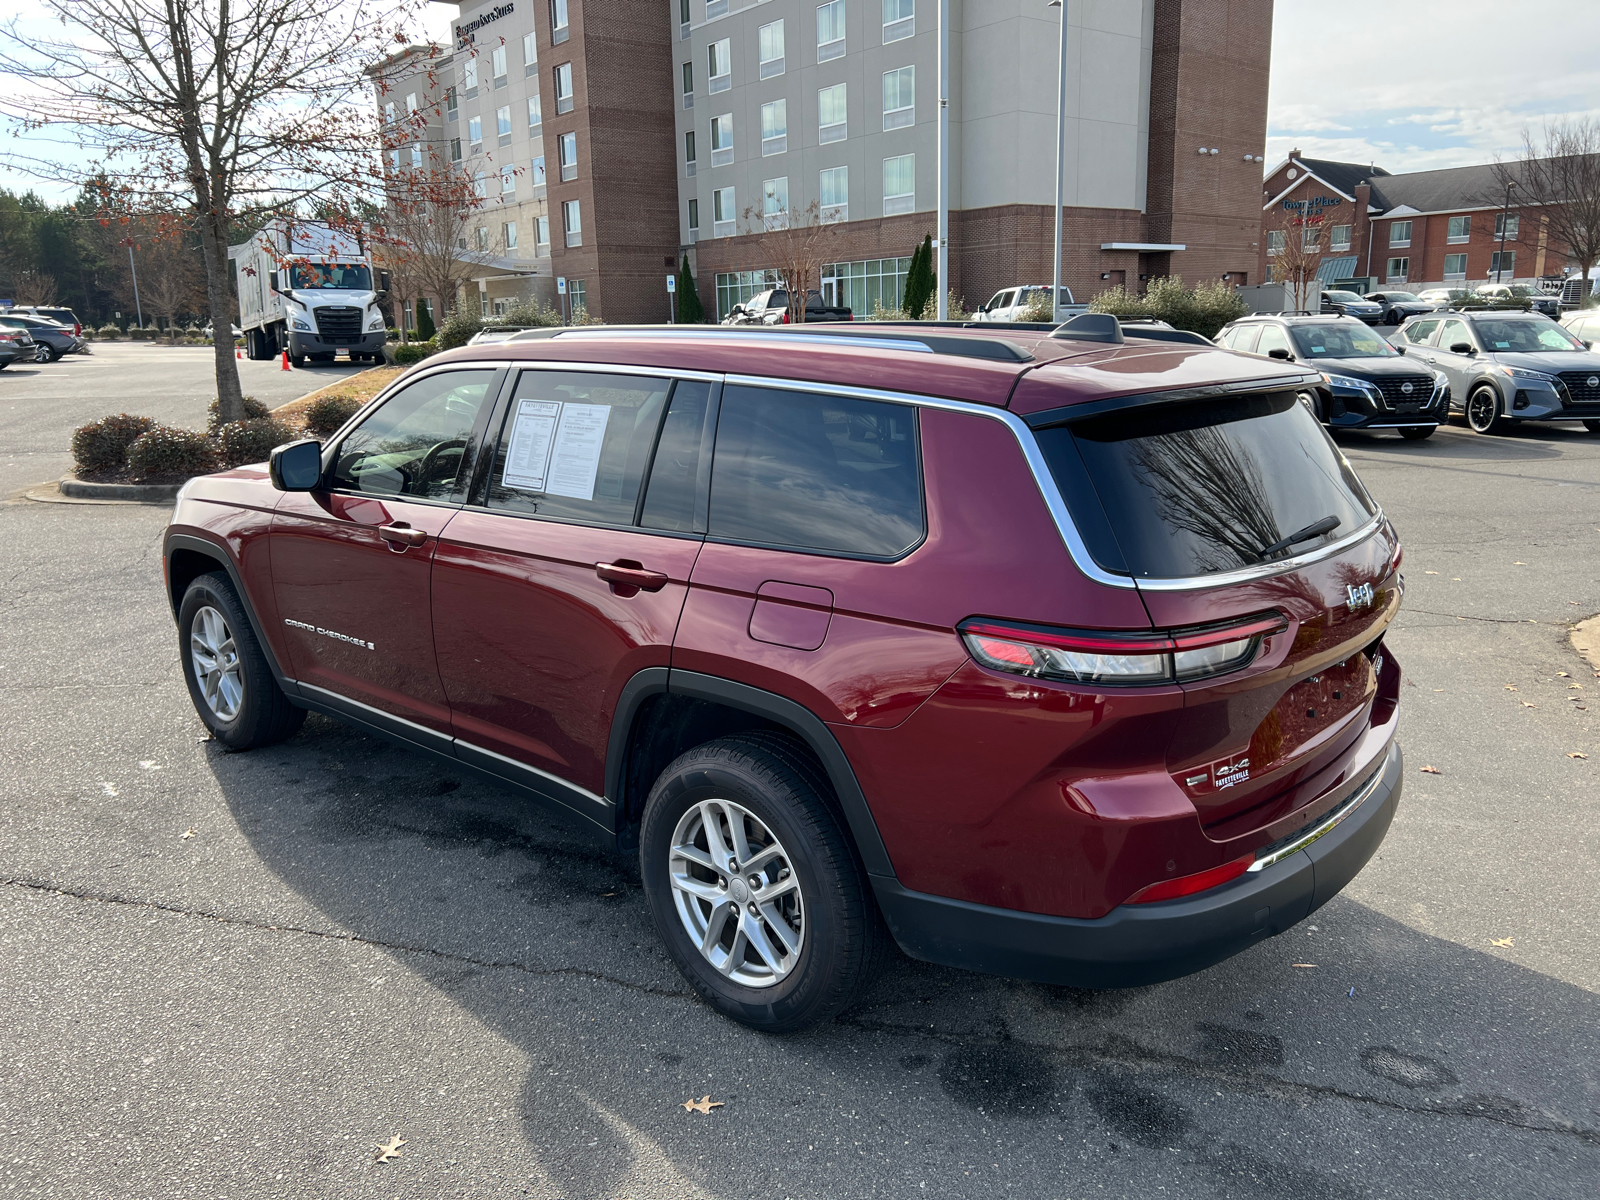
{"type": "Point", "coordinates": [1177, 490]}
{"type": "Point", "coordinates": [816, 472]}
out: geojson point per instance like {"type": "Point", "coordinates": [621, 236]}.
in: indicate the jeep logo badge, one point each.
{"type": "Point", "coordinates": [1405, 389]}
{"type": "Point", "coordinates": [1357, 598]}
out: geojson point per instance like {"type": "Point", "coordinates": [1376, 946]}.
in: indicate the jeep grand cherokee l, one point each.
{"type": "Point", "coordinates": [1054, 656]}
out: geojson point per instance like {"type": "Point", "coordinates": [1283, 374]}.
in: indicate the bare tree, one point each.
{"type": "Point", "coordinates": [1560, 176]}
{"type": "Point", "coordinates": [170, 282]}
{"type": "Point", "coordinates": [1305, 241]}
{"type": "Point", "coordinates": [33, 287]}
{"type": "Point", "coordinates": [427, 238]}
{"type": "Point", "coordinates": [798, 243]}
{"type": "Point", "coordinates": [219, 109]}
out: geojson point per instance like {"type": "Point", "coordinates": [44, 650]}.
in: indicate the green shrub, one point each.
{"type": "Point", "coordinates": [253, 410]}
{"type": "Point", "coordinates": [425, 327]}
{"type": "Point", "coordinates": [413, 352]}
{"type": "Point", "coordinates": [326, 413]}
{"type": "Point", "coordinates": [529, 312]}
{"type": "Point", "coordinates": [110, 332]}
{"type": "Point", "coordinates": [251, 441]}
{"type": "Point", "coordinates": [457, 330]}
{"type": "Point", "coordinates": [1203, 310]}
{"type": "Point", "coordinates": [954, 305]}
{"type": "Point", "coordinates": [1038, 307]}
{"type": "Point", "coordinates": [103, 445]}
{"type": "Point", "coordinates": [168, 454]}
{"type": "Point", "coordinates": [921, 284]}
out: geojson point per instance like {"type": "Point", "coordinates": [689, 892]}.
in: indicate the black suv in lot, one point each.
{"type": "Point", "coordinates": [1366, 382]}
{"type": "Point", "coordinates": [1507, 366]}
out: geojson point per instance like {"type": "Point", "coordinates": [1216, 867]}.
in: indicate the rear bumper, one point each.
{"type": "Point", "coordinates": [1146, 943]}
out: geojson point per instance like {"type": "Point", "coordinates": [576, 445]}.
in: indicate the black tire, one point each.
{"type": "Point", "coordinates": [1483, 411]}
{"type": "Point", "coordinates": [1417, 433]}
{"type": "Point", "coordinates": [54, 354]}
{"type": "Point", "coordinates": [298, 360]}
{"type": "Point", "coordinates": [1592, 426]}
{"type": "Point", "coordinates": [263, 714]}
{"type": "Point", "coordinates": [843, 939]}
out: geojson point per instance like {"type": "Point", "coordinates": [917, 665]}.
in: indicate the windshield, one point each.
{"type": "Point", "coordinates": [1402, 297]}
{"type": "Point", "coordinates": [1340, 341]}
{"type": "Point", "coordinates": [1525, 337]}
{"type": "Point", "coordinates": [346, 276]}
{"type": "Point", "coordinates": [1343, 297]}
{"type": "Point", "coordinates": [1176, 490]}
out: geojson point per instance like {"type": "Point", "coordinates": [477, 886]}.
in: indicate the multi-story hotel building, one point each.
{"type": "Point", "coordinates": [640, 130]}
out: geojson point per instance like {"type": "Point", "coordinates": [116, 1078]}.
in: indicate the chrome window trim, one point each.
{"type": "Point", "coordinates": [1046, 484]}
{"type": "Point", "coordinates": [758, 334]}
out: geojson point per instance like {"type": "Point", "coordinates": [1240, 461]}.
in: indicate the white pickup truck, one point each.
{"type": "Point", "coordinates": [307, 288]}
{"type": "Point", "coordinates": [1009, 303]}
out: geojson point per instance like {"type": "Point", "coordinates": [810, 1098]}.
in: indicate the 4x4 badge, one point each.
{"type": "Point", "coordinates": [1357, 598]}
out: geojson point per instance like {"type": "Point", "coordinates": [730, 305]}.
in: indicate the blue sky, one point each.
{"type": "Point", "coordinates": [1410, 86]}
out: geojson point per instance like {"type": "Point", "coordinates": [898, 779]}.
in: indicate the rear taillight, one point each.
{"type": "Point", "coordinates": [1188, 885]}
{"type": "Point", "coordinates": [1095, 656]}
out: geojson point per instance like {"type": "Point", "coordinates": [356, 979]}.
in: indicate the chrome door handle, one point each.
{"type": "Point", "coordinates": [400, 535]}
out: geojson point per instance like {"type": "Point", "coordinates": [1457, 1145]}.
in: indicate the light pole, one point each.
{"type": "Point", "coordinates": [1061, 137]}
{"type": "Point", "coordinates": [942, 309]}
{"type": "Point", "coordinates": [1505, 219]}
{"type": "Point", "coordinates": [138, 312]}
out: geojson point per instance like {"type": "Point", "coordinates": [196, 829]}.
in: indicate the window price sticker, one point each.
{"type": "Point", "coordinates": [555, 448]}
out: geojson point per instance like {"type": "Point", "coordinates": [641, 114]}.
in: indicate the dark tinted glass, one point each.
{"type": "Point", "coordinates": [413, 445]}
{"type": "Point", "coordinates": [1193, 488]}
{"type": "Point", "coordinates": [575, 445]}
{"type": "Point", "coordinates": [669, 498]}
{"type": "Point", "coordinates": [817, 472]}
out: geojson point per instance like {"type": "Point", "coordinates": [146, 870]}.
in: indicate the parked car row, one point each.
{"type": "Point", "coordinates": [49, 339]}
{"type": "Point", "coordinates": [771, 307]}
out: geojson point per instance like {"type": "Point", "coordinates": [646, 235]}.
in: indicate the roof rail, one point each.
{"type": "Point", "coordinates": [888, 335]}
{"type": "Point", "coordinates": [1091, 327]}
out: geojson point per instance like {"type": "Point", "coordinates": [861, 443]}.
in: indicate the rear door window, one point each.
{"type": "Point", "coordinates": [1419, 332]}
{"type": "Point", "coordinates": [575, 445]}
{"type": "Point", "coordinates": [805, 471]}
{"type": "Point", "coordinates": [1272, 338]}
{"type": "Point", "coordinates": [1244, 338]}
{"type": "Point", "coordinates": [1169, 491]}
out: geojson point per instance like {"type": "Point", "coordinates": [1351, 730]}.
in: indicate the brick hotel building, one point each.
{"type": "Point", "coordinates": [613, 137]}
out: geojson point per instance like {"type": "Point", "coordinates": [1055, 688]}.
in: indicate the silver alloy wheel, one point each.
{"type": "Point", "coordinates": [216, 663]}
{"type": "Point", "coordinates": [1483, 406]}
{"type": "Point", "coordinates": [737, 893]}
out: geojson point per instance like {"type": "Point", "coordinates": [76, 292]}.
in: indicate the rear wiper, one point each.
{"type": "Point", "coordinates": [1315, 529]}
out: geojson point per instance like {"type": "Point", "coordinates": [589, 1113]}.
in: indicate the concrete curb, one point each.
{"type": "Point", "coordinates": [146, 493]}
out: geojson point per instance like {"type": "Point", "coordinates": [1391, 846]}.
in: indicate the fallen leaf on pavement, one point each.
{"type": "Point", "coordinates": [1431, 770]}
{"type": "Point", "coordinates": [1525, 704]}
{"type": "Point", "coordinates": [392, 1150]}
{"type": "Point", "coordinates": [1455, 579]}
{"type": "Point", "coordinates": [1302, 964]}
{"type": "Point", "coordinates": [1574, 685]}
{"type": "Point", "coordinates": [703, 1105]}
{"type": "Point", "coordinates": [1577, 754]}
{"type": "Point", "coordinates": [1430, 572]}
{"type": "Point", "coordinates": [1500, 941]}
{"type": "Point", "coordinates": [187, 833]}
{"type": "Point", "coordinates": [1519, 564]}
{"type": "Point", "coordinates": [1510, 687]}
{"type": "Point", "coordinates": [1563, 675]}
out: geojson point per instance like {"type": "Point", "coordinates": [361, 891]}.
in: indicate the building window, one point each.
{"type": "Point", "coordinates": [1459, 229]}
{"type": "Point", "coordinates": [530, 54]}
{"type": "Point", "coordinates": [688, 85]}
{"type": "Point", "coordinates": [719, 65]}
{"type": "Point", "coordinates": [899, 184]}
{"type": "Point", "coordinates": [538, 171]}
{"type": "Point", "coordinates": [774, 127]}
{"type": "Point", "coordinates": [864, 286]}
{"type": "Point", "coordinates": [564, 88]}
{"type": "Point", "coordinates": [475, 133]}
{"type": "Point", "coordinates": [411, 103]}
{"type": "Point", "coordinates": [541, 235]}
{"type": "Point", "coordinates": [1505, 224]}
{"type": "Point", "coordinates": [1455, 267]}
{"type": "Point", "coordinates": [469, 75]}
{"type": "Point", "coordinates": [497, 65]}
{"type": "Point", "coordinates": [574, 222]}
{"type": "Point", "coordinates": [769, 49]}
{"type": "Point", "coordinates": [683, 20]}
{"type": "Point", "coordinates": [394, 161]}
{"type": "Point", "coordinates": [724, 217]}
{"type": "Point", "coordinates": [483, 301]}
{"type": "Point", "coordinates": [508, 180]}
{"type": "Point", "coordinates": [388, 113]}
{"type": "Point", "coordinates": [899, 98]}
{"type": "Point", "coordinates": [1503, 262]}
{"type": "Point", "coordinates": [1400, 234]}
{"type": "Point", "coordinates": [1340, 239]}
{"type": "Point", "coordinates": [558, 22]}
{"type": "Point", "coordinates": [715, 9]}
{"type": "Point", "coordinates": [455, 150]}
{"type": "Point", "coordinates": [410, 319]}
{"type": "Point", "coordinates": [688, 151]}
{"type": "Point", "coordinates": [898, 20]}
{"type": "Point", "coordinates": [480, 187]}
{"type": "Point", "coordinates": [416, 157]}
{"type": "Point", "coordinates": [535, 112]}
{"type": "Point", "coordinates": [1311, 237]}
{"type": "Point", "coordinates": [739, 287]}
{"type": "Point", "coordinates": [502, 124]}
{"type": "Point", "coordinates": [450, 103]}
{"type": "Point", "coordinates": [835, 194]}
{"type": "Point", "coordinates": [1399, 270]}
{"type": "Point", "coordinates": [775, 203]}
{"type": "Point", "coordinates": [830, 30]}
{"type": "Point", "coordinates": [509, 232]}
{"type": "Point", "coordinates": [578, 294]}
{"type": "Point", "coordinates": [694, 220]}
{"type": "Point", "coordinates": [483, 238]}
{"type": "Point", "coordinates": [722, 140]}
{"type": "Point", "coordinates": [567, 151]}
{"type": "Point", "coordinates": [831, 114]}
{"type": "Point", "coordinates": [1276, 240]}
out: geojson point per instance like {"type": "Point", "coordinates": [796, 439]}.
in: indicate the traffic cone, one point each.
{"type": "Point", "coordinates": [238, 353]}
{"type": "Point", "coordinates": [285, 360]}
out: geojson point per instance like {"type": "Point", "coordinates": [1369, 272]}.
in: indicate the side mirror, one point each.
{"type": "Point", "coordinates": [1399, 349]}
{"type": "Point", "coordinates": [1280, 353]}
{"type": "Point", "coordinates": [272, 280]}
{"type": "Point", "coordinates": [983, 308]}
{"type": "Point", "coordinates": [383, 281]}
{"type": "Point", "coordinates": [1462, 348]}
{"type": "Point", "coordinates": [738, 311]}
{"type": "Point", "coordinates": [297, 466]}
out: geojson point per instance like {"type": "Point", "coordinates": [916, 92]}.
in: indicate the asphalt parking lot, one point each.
{"type": "Point", "coordinates": [237, 975]}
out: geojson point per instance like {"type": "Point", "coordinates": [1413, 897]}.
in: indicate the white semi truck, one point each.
{"type": "Point", "coordinates": [307, 288]}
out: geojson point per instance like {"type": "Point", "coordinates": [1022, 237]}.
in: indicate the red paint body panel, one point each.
{"type": "Point", "coordinates": [1148, 367]}
{"type": "Point", "coordinates": [534, 648]}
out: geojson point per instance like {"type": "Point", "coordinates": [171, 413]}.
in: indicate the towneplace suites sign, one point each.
{"type": "Point", "coordinates": [1312, 207]}
{"type": "Point", "coordinates": [466, 30]}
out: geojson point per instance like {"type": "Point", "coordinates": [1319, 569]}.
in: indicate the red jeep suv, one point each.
{"type": "Point", "coordinates": [1053, 655]}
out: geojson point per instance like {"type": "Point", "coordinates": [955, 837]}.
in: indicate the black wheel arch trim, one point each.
{"type": "Point", "coordinates": [219, 554]}
{"type": "Point", "coordinates": [789, 714]}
